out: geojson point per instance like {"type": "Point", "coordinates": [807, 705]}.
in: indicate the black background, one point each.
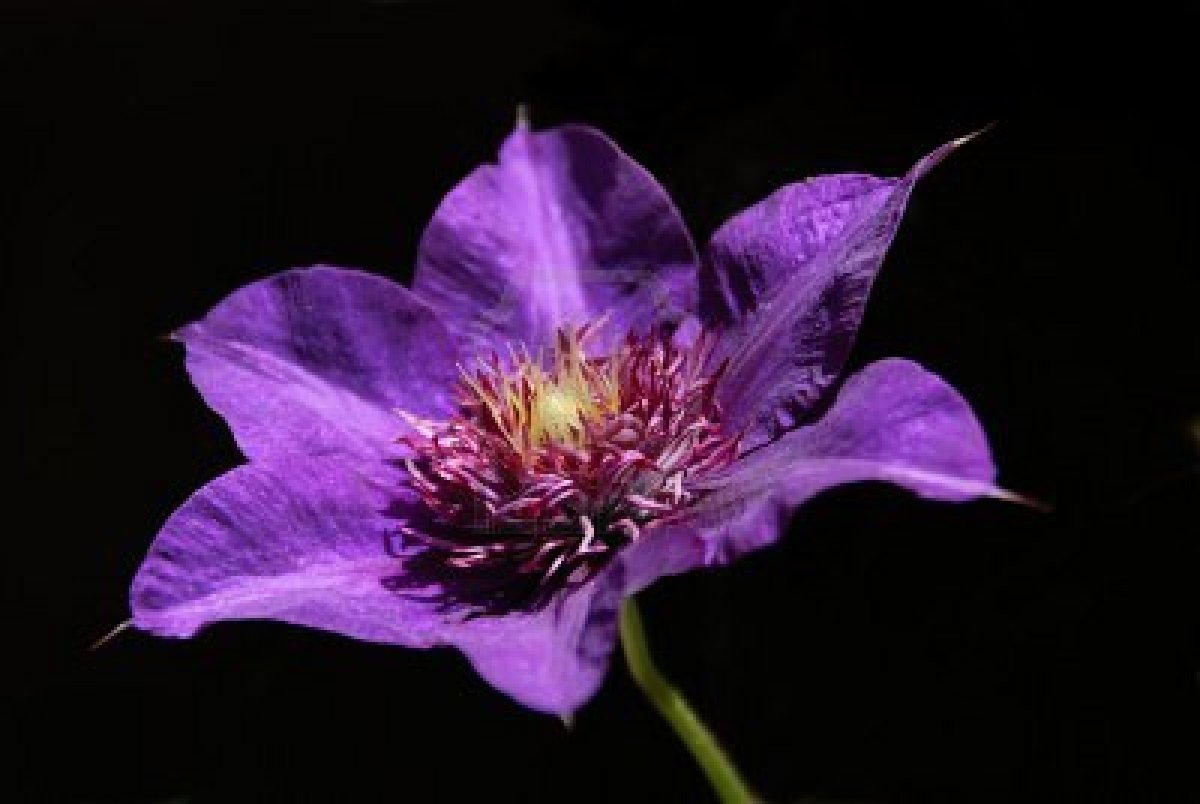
{"type": "Point", "coordinates": [159, 155]}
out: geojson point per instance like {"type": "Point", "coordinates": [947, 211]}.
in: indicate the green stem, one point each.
{"type": "Point", "coordinates": [707, 752]}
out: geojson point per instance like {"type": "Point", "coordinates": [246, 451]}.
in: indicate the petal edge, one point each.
{"type": "Point", "coordinates": [315, 361]}
{"type": "Point", "coordinates": [789, 280]}
{"type": "Point", "coordinates": [563, 228]}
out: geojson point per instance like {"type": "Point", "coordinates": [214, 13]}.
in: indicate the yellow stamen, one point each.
{"type": "Point", "coordinates": [536, 402]}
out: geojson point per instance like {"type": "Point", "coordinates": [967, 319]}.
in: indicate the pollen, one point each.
{"type": "Point", "coordinates": [545, 400]}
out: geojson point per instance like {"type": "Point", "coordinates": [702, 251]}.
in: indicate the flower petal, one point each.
{"type": "Point", "coordinates": [302, 541]}
{"type": "Point", "coordinates": [315, 361]}
{"type": "Point", "coordinates": [893, 421]}
{"type": "Point", "coordinates": [762, 246]}
{"type": "Point", "coordinates": [553, 660]}
{"type": "Point", "coordinates": [788, 279]}
{"type": "Point", "coordinates": [305, 542]}
{"type": "Point", "coordinates": [563, 228]}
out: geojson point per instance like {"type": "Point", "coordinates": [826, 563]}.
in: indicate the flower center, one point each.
{"type": "Point", "coordinates": [555, 462]}
{"type": "Point", "coordinates": [537, 402]}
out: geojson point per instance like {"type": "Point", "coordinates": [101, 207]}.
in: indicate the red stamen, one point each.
{"type": "Point", "coordinates": [552, 466]}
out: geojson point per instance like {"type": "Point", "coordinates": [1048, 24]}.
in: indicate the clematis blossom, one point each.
{"type": "Point", "coordinates": [569, 403]}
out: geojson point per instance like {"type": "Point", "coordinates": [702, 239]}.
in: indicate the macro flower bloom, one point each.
{"type": "Point", "coordinates": [569, 403]}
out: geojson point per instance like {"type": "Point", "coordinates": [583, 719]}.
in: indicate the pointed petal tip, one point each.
{"type": "Point", "coordinates": [104, 640]}
{"type": "Point", "coordinates": [979, 132]}
{"type": "Point", "coordinates": [934, 158]}
{"type": "Point", "coordinates": [1025, 500]}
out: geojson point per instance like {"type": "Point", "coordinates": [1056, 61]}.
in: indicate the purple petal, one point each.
{"type": "Point", "coordinates": [563, 228]}
{"type": "Point", "coordinates": [553, 660]}
{"type": "Point", "coordinates": [893, 421]}
{"type": "Point", "coordinates": [316, 361]}
{"type": "Point", "coordinates": [306, 543]}
{"type": "Point", "coordinates": [788, 280]}
{"type": "Point", "coordinates": [762, 246]}
{"type": "Point", "coordinates": [303, 542]}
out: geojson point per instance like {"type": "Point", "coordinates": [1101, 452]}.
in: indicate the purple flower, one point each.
{"type": "Point", "coordinates": [569, 404]}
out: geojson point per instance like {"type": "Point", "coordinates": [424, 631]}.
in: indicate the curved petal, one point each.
{"type": "Point", "coordinates": [315, 361]}
{"type": "Point", "coordinates": [893, 421]}
{"type": "Point", "coordinates": [762, 246]}
{"type": "Point", "coordinates": [788, 279]}
{"type": "Point", "coordinates": [306, 543]}
{"type": "Point", "coordinates": [553, 660]}
{"type": "Point", "coordinates": [563, 228]}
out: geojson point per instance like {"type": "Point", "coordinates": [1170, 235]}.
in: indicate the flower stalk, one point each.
{"type": "Point", "coordinates": [708, 753]}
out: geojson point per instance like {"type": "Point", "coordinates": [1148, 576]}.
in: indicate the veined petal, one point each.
{"type": "Point", "coordinates": [316, 361]}
{"type": "Point", "coordinates": [893, 421]}
{"type": "Point", "coordinates": [306, 542]}
{"type": "Point", "coordinates": [552, 660]}
{"type": "Point", "coordinates": [764, 245]}
{"type": "Point", "coordinates": [303, 541]}
{"type": "Point", "coordinates": [565, 227]}
{"type": "Point", "coordinates": [788, 278]}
